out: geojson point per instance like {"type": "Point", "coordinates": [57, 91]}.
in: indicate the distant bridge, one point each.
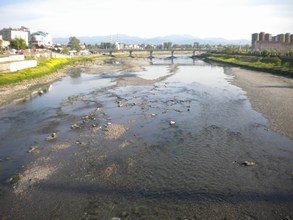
{"type": "Point", "coordinates": [151, 51]}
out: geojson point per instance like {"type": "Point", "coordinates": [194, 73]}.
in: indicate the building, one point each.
{"type": "Point", "coordinates": [268, 37]}
{"type": "Point", "coordinates": [262, 36]}
{"type": "Point", "coordinates": [279, 46]}
{"type": "Point", "coordinates": [254, 38]}
{"type": "Point", "coordinates": [287, 38]}
{"type": "Point", "coordinates": [9, 34]}
{"type": "Point", "coordinates": [281, 42]}
{"type": "Point", "coordinates": [281, 38]}
{"type": "Point", "coordinates": [41, 39]}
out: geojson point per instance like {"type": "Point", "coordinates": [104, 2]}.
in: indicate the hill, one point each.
{"type": "Point", "coordinates": [175, 39]}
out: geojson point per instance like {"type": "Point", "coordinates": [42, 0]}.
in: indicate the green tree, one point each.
{"type": "Point", "coordinates": [107, 45]}
{"type": "Point", "coordinates": [167, 45]}
{"type": "Point", "coordinates": [65, 50]}
{"type": "Point", "coordinates": [74, 44]}
{"type": "Point", "coordinates": [18, 44]}
{"type": "Point", "coordinates": [290, 53]}
{"type": "Point", "coordinates": [148, 46]}
{"type": "Point", "coordinates": [229, 50]}
{"type": "Point", "coordinates": [265, 53]}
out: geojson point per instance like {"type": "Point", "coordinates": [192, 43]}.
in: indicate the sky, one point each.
{"type": "Point", "coordinates": [229, 19]}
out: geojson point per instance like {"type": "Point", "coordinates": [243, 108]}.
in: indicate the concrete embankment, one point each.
{"type": "Point", "coordinates": [15, 63]}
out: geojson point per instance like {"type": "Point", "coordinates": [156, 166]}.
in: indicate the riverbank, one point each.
{"type": "Point", "coordinates": [23, 90]}
{"type": "Point", "coordinates": [267, 64]}
{"type": "Point", "coordinates": [270, 95]}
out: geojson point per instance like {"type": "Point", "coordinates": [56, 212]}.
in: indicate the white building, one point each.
{"type": "Point", "coordinates": [41, 39]}
{"type": "Point", "coordinates": [9, 34]}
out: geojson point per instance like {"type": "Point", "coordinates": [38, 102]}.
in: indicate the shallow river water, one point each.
{"type": "Point", "coordinates": [165, 143]}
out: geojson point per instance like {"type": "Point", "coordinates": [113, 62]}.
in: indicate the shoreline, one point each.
{"type": "Point", "coordinates": [11, 93]}
{"type": "Point", "coordinates": [20, 91]}
{"type": "Point", "coordinates": [260, 66]}
{"type": "Point", "coordinates": [268, 94]}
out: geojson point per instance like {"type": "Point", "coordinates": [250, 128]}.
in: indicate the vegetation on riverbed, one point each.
{"type": "Point", "coordinates": [273, 64]}
{"type": "Point", "coordinates": [43, 68]}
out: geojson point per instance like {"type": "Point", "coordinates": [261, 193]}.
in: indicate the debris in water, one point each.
{"type": "Point", "coordinates": [248, 163]}
{"type": "Point", "coordinates": [34, 149]}
{"type": "Point", "coordinates": [52, 137]}
{"type": "Point", "coordinates": [75, 126]}
{"type": "Point", "coordinates": [172, 122]}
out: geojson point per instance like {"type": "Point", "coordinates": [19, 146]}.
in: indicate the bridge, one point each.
{"type": "Point", "coordinates": [195, 51]}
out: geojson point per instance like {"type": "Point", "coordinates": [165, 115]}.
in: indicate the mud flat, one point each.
{"type": "Point", "coordinates": [269, 94]}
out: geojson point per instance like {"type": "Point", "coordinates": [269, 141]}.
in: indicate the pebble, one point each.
{"type": "Point", "coordinates": [52, 137]}
{"type": "Point", "coordinates": [248, 163]}
{"type": "Point", "coordinates": [75, 126]}
{"type": "Point", "coordinates": [33, 149]}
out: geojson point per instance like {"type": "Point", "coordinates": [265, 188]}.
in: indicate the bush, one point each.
{"type": "Point", "coordinates": [44, 68]}
{"type": "Point", "coordinates": [269, 64]}
{"type": "Point", "coordinates": [274, 60]}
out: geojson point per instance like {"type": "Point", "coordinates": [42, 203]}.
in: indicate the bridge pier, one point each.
{"type": "Point", "coordinates": [193, 54]}
{"type": "Point", "coordinates": [172, 54]}
{"type": "Point", "coordinates": [130, 54]}
{"type": "Point", "coordinates": [151, 55]}
{"type": "Point", "coordinates": [111, 53]}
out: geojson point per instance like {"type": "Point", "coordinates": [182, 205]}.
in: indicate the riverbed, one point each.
{"type": "Point", "coordinates": [177, 139]}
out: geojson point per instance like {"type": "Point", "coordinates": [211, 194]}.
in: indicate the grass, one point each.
{"type": "Point", "coordinates": [43, 68]}
{"type": "Point", "coordinates": [268, 64]}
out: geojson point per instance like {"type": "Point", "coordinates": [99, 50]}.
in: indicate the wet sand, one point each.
{"type": "Point", "coordinates": [270, 95]}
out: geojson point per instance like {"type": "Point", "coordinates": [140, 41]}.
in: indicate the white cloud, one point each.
{"type": "Point", "coordinates": [148, 18]}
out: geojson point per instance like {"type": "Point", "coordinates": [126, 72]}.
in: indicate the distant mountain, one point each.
{"type": "Point", "coordinates": [175, 39]}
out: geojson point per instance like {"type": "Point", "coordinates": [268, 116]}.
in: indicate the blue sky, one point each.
{"type": "Point", "coordinates": [230, 19]}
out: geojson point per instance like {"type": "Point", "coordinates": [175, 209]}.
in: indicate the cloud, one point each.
{"type": "Point", "coordinates": [148, 18]}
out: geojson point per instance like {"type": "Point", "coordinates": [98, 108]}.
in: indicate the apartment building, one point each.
{"type": "Point", "coordinates": [281, 42]}
{"type": "Point", "coordinates": [9, 34]}
{"type": "Point", "coordinates": [41, 39]}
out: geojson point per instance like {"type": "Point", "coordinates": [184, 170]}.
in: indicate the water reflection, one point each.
{"type": "Point", "coordinates": [180, 60]}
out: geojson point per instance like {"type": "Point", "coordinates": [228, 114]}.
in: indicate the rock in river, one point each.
{"type": "Point", "coordinates": [51, 137]}
{"type": "Point", "coordinates": [248, 163]}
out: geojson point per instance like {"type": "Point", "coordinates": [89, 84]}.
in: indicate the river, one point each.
{"type": "Point", "coordinates": [169, 142]}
